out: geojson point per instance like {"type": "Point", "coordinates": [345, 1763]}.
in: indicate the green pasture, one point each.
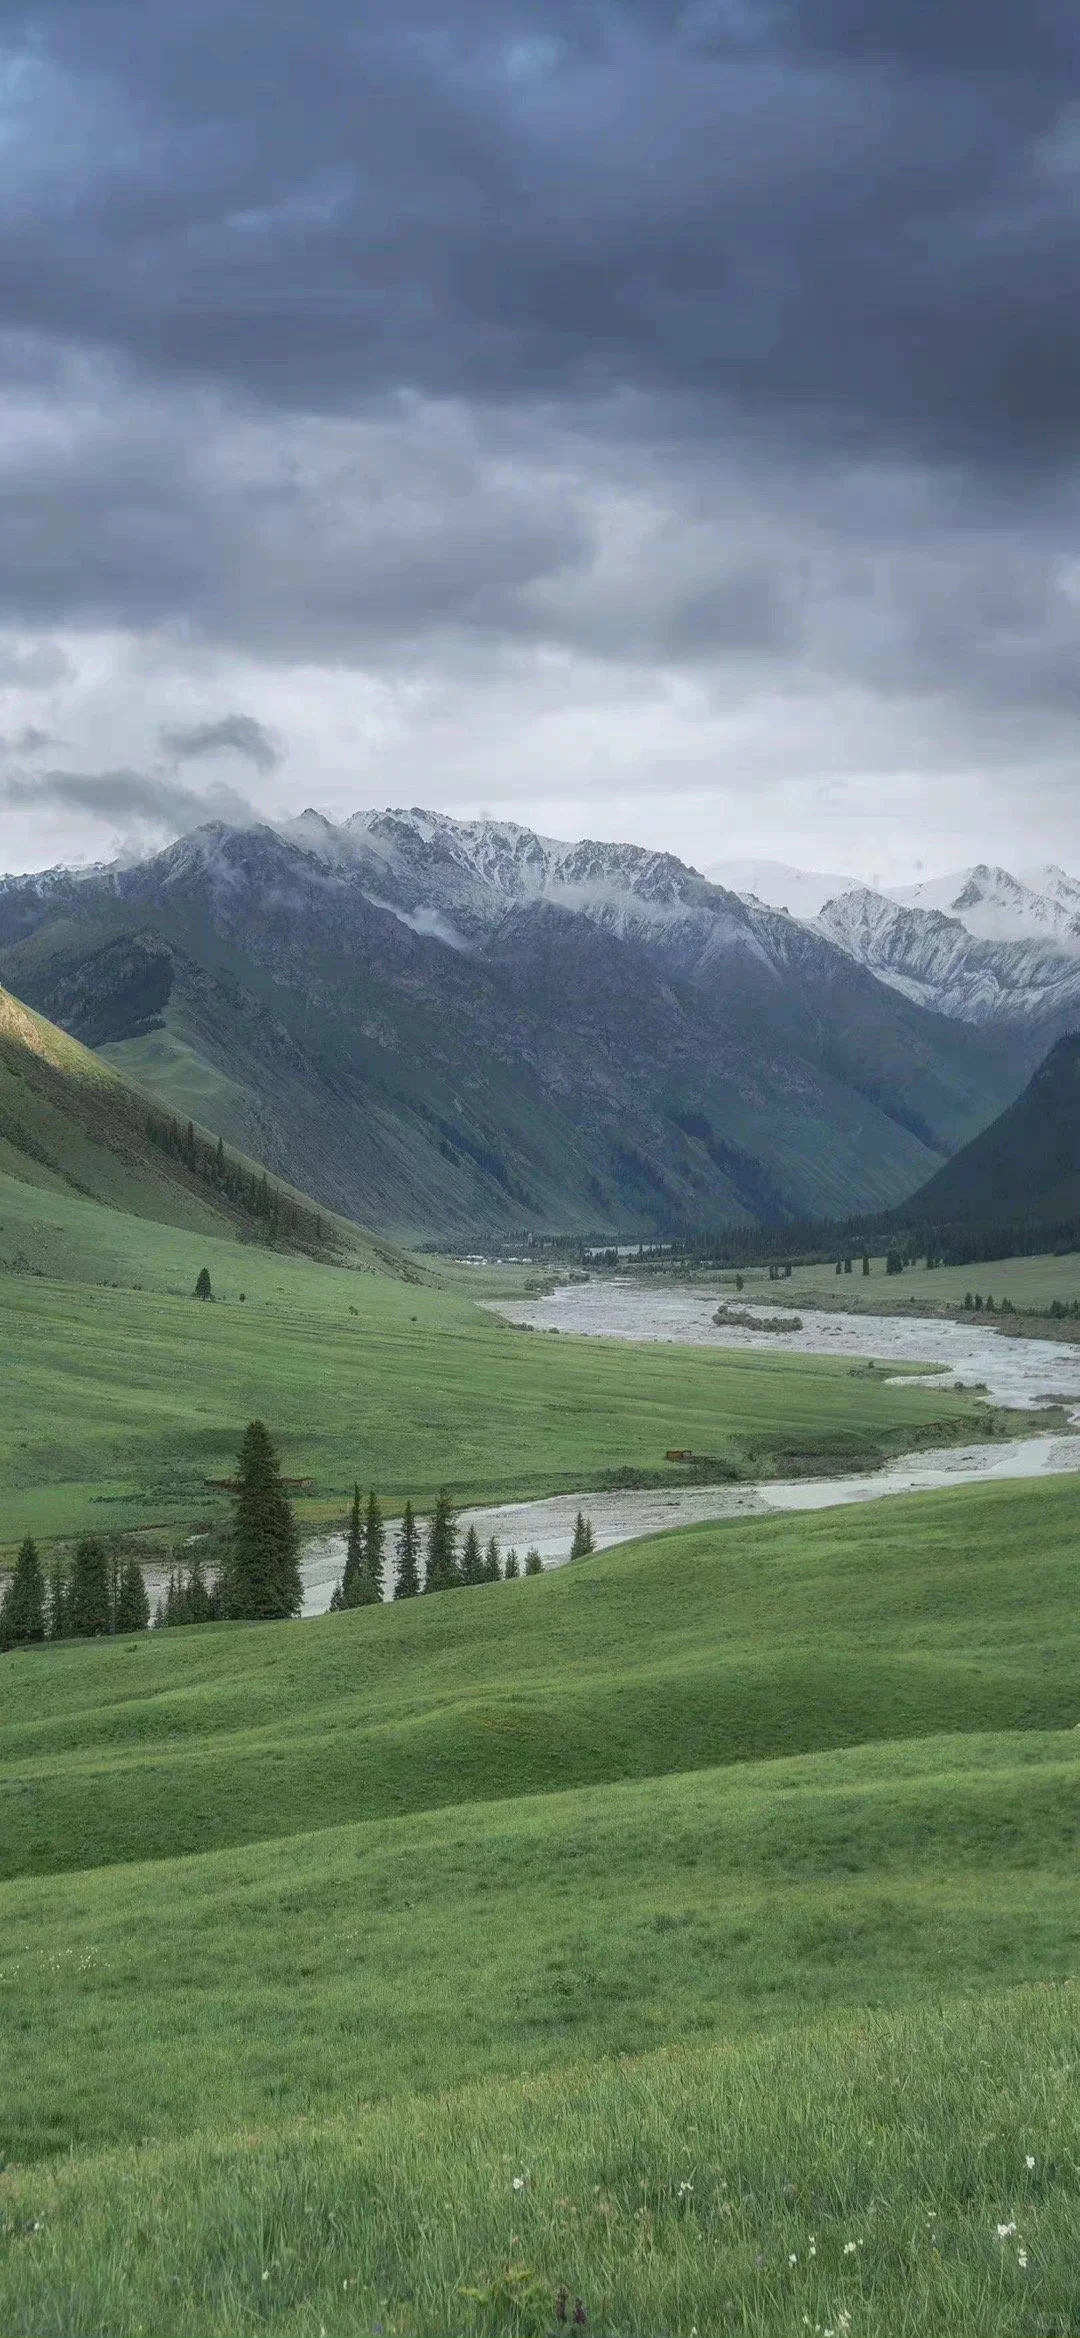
{"type": "Point", "coordinates": [321, 1972]}
{"type": "Point", "coordinates": [752, 1640]}
{"type": "Point", "coordinates": [848, 2177]}
{"type": "Point", "coordinates": [1031, 1283]}
{"type": "Point", "coordinates": [124, 1394]}
{"type": "Point", "coordinates": [721, 1888]}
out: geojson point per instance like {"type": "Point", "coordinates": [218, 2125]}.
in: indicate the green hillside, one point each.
{"type": "Point", "coordinates": [126, 1394]}
{"type": "Point", "coordinates": [1025, 1165]}
{"type": "Point", "coordinates": [72, 1125]}
{"type": "Point", "coordinates": [321, 1962]}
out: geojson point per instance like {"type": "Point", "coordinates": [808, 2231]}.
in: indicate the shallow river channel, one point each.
{"type": "Point", "coordinates": [1018, 1373]}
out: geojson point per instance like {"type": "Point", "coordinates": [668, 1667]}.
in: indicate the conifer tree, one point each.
{"type": "Point", "coordinates": [442, 1570]}
{"type": "Point", "coordinates": [132, 1604]}
{"type": "Point", "coordinates": [534, 1564]}
{"type": "Point", "coordinates": [337, 1601]}
{"type": "Point", "coordinates": [56, 1610]}
{"type": "Point", "coordinates": [374, 1553]}
{"type": "Point", "coordinates": [512, 1569]}
{"type": "Point", "coordinates": [492, 1568]}
{"type": "Point", "coordinates": [202, 1284]}
{"type": "Point", "coordinates": [472, 1562]}
{"type": "Point", "coordinates": [88, 1608]}
{"type": "Point", "coordinates": [408, 1556]}
{"type": "Point", "coordinates": [263, 1576]}
{"type": "Point", "coordinates": [22, 1611]}
{"type": "Point", "coordinates": [354, 1556]}
{"type": "Point", "coordinates": [583, 1537]}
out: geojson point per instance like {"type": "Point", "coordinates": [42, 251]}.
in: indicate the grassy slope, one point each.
{"type": "Point", "coordinates": [761, 1639]}
{"type": "Point", "coordinates": [1026, 1164]}
{"type": "Point", "coordinates": [668, 1906]}
{"type": "Point", "coordinates": [124, 1400]}
{"type": "Point", "coordinates": [850, 2179]}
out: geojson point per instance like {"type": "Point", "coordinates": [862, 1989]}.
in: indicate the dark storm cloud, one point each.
{"type": "Point", "coordinates": [856, 216]}
{"type": "Point", "coordinates": [126, 796]}
{"type": "Point", "coordinates": [237, 734]}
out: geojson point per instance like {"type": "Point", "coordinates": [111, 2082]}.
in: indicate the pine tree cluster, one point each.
{"type": "Point", "coordinates": [281, 1218]}
{"type": "Point", "coordinates": [446, 1566]}
{"type": "Point", "coordinates": [95, 1597]}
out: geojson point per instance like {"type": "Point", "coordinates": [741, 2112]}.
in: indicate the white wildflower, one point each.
{"type": "Point", "coordinates": [850, 2247]}
{"type": "Point", "coordinates": [1005, 2232]}
{"type": "Point", "coordinates": [520, 2183]}
{"type": "Point", "coordinates": [793, 2260]}
{"type": "Point", "coordinates": [1028, 2160]}
{"type": "Point", "coordinates": [1021, 2259]}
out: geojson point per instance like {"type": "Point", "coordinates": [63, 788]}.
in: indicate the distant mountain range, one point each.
{"type": "Point", "coordinates": [981, 946]}
{"type": "Point", "coordinates": [443, 1027]}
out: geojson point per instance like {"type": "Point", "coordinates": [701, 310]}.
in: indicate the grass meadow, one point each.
{"type": "Point", "coordinates": [685, 1940]}
{"type": "Point", "coordinates": [1032, 1284]}
{"type": "Point", "coordinates": [123, 1393]}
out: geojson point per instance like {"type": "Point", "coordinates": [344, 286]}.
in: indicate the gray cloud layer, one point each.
{"type": "Point", "coordinates": [126, 796]}
{"type": "Point", "coordinates": [738, 343]}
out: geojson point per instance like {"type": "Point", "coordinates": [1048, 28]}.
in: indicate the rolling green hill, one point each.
{"type": "Point", "coordinates": [1025, 1165]}
{"type": "Point", "coordinates": [323, 2009]}
{"type": "Point", "coordinates": [72, 1125]}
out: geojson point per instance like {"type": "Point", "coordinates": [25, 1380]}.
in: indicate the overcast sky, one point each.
{"type": "Point", "coordinates": [634, 421]}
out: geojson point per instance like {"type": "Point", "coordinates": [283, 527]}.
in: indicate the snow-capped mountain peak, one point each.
{"type": "Point", "coordinates": [998, 907]}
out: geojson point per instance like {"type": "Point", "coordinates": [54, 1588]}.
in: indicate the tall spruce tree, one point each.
{"type": "Point", "coordinates": [472, 1560]}
{"type": "Point", "coordinates": [492, 1568]}
{"type": "Point", "coordinates": [512, 1569]}
{"type": "Point", "coordinates": [88, 1605]}
{"type": "Point", "coordinates": [442, 1569]}
{"type": "Point", "coordinates": [22, 1611]}
{"type": "Point", "coordinates": [407, 1551]}
{"type": "Point", "coordinates": [202, 1284]}
{"type": "Point", "coordinates": [534, 1564]}
{"type": "Point", "coordinates": [374, 1552]}
{"type": "Point", "coordinates": [354, 1556]}
{"type": "Point", "coordinates": [132, 1604]}
{"type": "Point", "coordinates": [263, 1578]}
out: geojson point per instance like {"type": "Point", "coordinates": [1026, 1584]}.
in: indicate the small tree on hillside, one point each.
{"type": "Point", "coordinates": [132, 1604]}
{"type": "Point", "coordinates": [22, 1611]}
{"type": "Point", "coordinates": [407, 1552]}
{"type": "Point", "coordinates": [583, 1541]}
{"type": "Point", "coordinates": [354, 1556]}
{"type": "Point", "coordinates": [263, 1574]}
{"type": "Point", "coordinates": [512, 1569]}
{"type": "Point", "coordinates": [88, 1606]}
{"type": "Point", "coordinates": [534, 1564]}
{"type": "Point", "coordinates": [442, 1572]}
{"type": "Point", "coordinates": [472, 1563]}
{"type": "Point", "coordinates": [202, 1284]}
{"type": "Point", "coordinates": [492, 1572]}
{"type": "Point", "coordinates": [374, 1553]}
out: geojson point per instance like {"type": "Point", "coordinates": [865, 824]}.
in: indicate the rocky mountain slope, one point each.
{"type": "Point", "coordinates": [981, 946]}
{"type": "Point", "coordinates": [1026, 1164]}
{"type": "Point", "coordinates": [1027, 982]}
{"type": "Point", "coordinates": [444, 1026]}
